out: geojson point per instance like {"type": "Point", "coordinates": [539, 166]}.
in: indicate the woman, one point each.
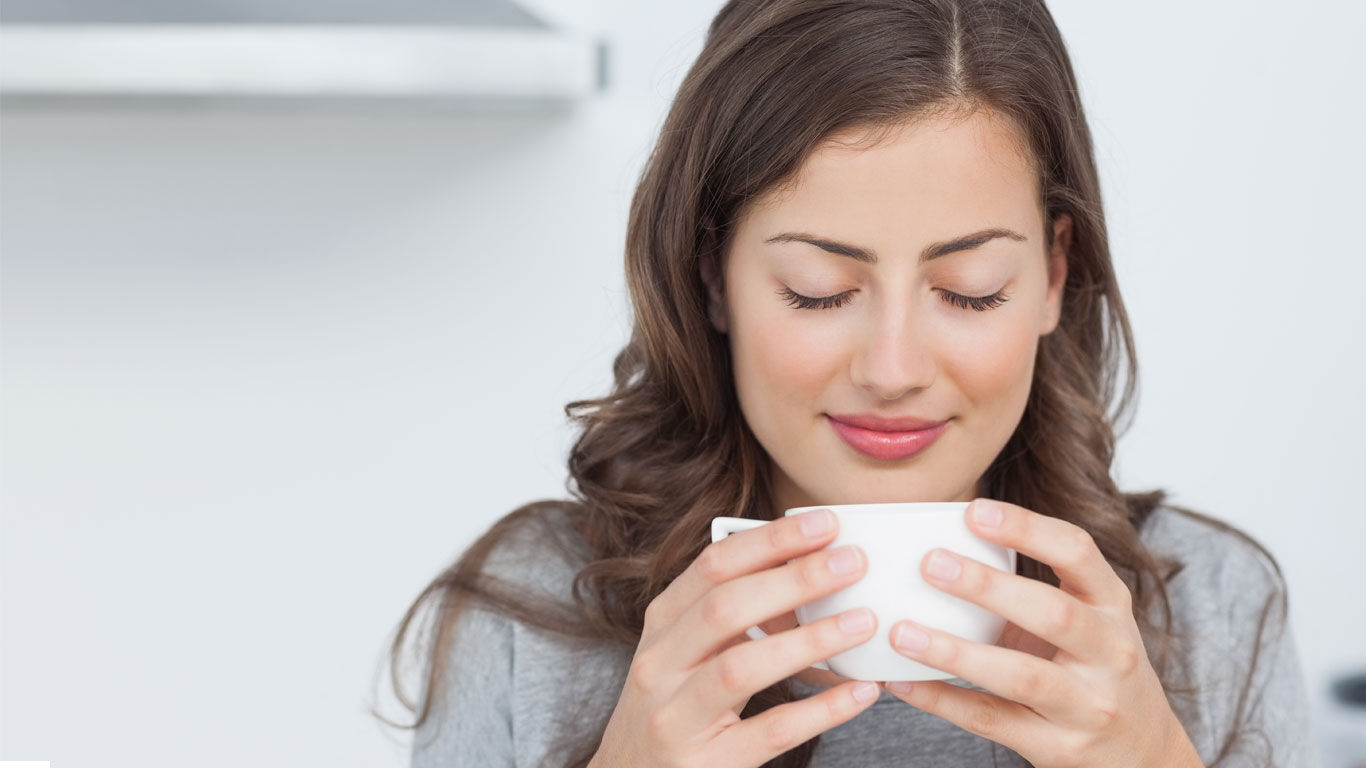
{"type": "Point", "coordinates": [860, 212]}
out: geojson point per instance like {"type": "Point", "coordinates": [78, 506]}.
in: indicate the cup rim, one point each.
{"type": "Point", "coordinates": [920, 507]}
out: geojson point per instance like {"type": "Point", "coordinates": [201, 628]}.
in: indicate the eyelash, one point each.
{"type": "Point", "coordinates": [978, 303]}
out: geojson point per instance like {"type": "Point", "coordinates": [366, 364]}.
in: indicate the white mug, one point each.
{"type": "Point", "coordinates": [895, 539]}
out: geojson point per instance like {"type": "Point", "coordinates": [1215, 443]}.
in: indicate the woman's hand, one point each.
{"type": "Point", "coordinates": [695, 669]}
{"type": "Point", "coordinates": [1073, 685]}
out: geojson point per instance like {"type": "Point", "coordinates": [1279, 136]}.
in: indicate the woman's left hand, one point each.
{"type": "Point", "coordinates": [1073, 685]}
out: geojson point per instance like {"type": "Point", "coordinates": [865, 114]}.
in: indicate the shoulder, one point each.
{"type": "Point", "coordinates": [521, 568]}
{"type": "Point", "coordinates": [507, 678]}
{"type": "Point", "coordinates": [1211, 553]}
{"type": "Point", "coordinates": [1237, 685]}
{"type": "Point", "coordinates": [560, 684]}
{"type": "Point", "coordinates": [537, 547]}
{"type": "Point", "coordinates": [1224, 588]}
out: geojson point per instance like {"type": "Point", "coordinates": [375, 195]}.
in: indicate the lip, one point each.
{"type": "Point", "coordinates": [886, 439]}
{"type": "Point", "coordinates": [880, 424]}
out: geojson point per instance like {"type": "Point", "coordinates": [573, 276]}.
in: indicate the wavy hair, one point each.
{"type": "Point", "coordinates": [668, 449]}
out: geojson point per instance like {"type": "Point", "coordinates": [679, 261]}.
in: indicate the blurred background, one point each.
{"type": "Point", "coordinates": [290, 313]}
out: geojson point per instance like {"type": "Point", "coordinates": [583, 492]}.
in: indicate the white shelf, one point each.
{"type": "Point", "coordinates": [298, 60]}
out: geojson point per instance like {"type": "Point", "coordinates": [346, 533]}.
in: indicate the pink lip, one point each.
{"type": "Point", "coordinates": [885, 445]}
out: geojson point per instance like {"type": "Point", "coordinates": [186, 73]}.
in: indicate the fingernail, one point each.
{"type": "Point", "coordinates": [944, 566]}
{"type": "Point", "coordinates": [843, 561]}
{"type": "Point", "coordinates": [986, 514]}
{"type": "Point", "coordinates": [856, 621]}
{"type": "Point", "coordinates": [900, 686]}
{"type": "Point", "coordinates": [865, 692]}
{"type": "Point", "coordinates": [817, 523]}
{"type": "Point", "coordinates": [911, 638]}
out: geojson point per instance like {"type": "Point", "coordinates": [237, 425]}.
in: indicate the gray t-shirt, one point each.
{"type": "Point", "coordinates": [512, 691]}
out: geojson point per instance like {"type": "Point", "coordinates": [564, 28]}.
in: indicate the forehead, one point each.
{"type": "Point", "coordinates": [922, 177]}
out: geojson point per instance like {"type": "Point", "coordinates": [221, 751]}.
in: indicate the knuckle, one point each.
{"type": "Point", "coordinates": [643, 674]}
{"type": "Point", "coordinates": [1028, 683]}
{"type": "Point", "coordinates": [1074, 750]}
{"type": "Point", "coordinates": [711, 564]}
{"type": "Point", "coordinates": [930, 696]}
{"type": "Point", "coordinates": [1106, 710]}
{"type": "Point", "coordinates": [658, 726]}
{"type": "Point", "coordinates": [779, 735]}
{"type": "Point", "coordinates": [812, 574]}
{"type": "Point", "coordinates": [984, 719]}
{"type": "Point", "coordinates": [1077, 548]}
{"type": "Point", "coordinates": [1058, 619]}
{"type": "Point", "coordinates": [654, 613]}
{"type": "Point", "coordinates": [976, 581]}
{"type": "Point", "coordinates": [837, 708]}
{"type": "Point", "coordinates": [1127, 658]}
{"type": "Point", "coordinates": [1126, 599]}
{"type": "Point", "coordinates": [780, 536]}
{"type": "Point", "coordinates": [829, 636]}
{"type": "Point", "coordinates": [819, 641]}
{"type": "Point", "coordinates": [718, 609]}
{"type": "Point", "coordinates": [732, 672]}
{"type": "Point", "coordinates": [944, 650]}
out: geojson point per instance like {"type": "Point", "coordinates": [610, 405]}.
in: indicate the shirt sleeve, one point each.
{"type": "Point", "coordinates": [1283, 707]}
{"type": "Point", "coordinates": [1267, 723]}
{"type": "Point", "coordinates": [470, 722]}
{"type": "Point", "coordinates": [1273, 725]}
{"type": "Point", "coordinates": [1238, 687]}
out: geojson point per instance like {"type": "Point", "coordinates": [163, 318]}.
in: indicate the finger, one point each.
{"type": "Point", "coordinates": [1067, 548]}
{"type": "Point", "coordinates": [758, 739]}
{"type": "Point", "coordinates": [990, 717]}
{"type": "Point", "coordinates": [731, 678]}
{"type": "Point", "coordinates": [1042, 686]}
{"type": "Point", "coordinates": [1041, 609]}
{"type": "Point", "coordinates": [731, 608]}
{"type": "Point", "coordinates": [741, 553]}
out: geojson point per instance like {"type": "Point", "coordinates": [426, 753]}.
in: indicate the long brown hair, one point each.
{"type": "Point", "coordinates": [668, 449]}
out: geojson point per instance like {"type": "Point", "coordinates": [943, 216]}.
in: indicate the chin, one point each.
{"type": "Point", "coordinates": [900, 485]}
{"type": "Point", "coordinates": [881, 496]}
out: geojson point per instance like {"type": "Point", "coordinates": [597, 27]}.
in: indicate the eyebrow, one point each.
{"type": "Point", "coordinates": [931, 252]}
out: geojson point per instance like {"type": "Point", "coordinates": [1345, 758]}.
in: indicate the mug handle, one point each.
{"type": "Point", "coordinates": [721, 527]}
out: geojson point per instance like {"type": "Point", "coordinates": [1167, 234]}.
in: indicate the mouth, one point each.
{"type": "Point", "coordinates": [888, 445]}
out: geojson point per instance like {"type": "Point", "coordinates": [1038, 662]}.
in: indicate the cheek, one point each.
{"type": "Point", "coordinates": [994, 371]}
{"type": "Point", "coordinates": [782, 365]}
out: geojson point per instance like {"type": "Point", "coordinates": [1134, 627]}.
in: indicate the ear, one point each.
{"type": "Point", "coordinates": [1057, 272]}
{"type": "Point", "coordinates": [716, 297]}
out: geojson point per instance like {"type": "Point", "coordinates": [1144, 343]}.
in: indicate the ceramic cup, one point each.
{"type": "Point", "coordinates": [895, 539]}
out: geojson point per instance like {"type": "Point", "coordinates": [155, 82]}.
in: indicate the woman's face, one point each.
{"type": "Point", "coordinates": [896, 345]}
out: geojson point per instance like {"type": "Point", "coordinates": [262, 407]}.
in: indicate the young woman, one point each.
{"type": "Point", "coordinates": [868, 262]}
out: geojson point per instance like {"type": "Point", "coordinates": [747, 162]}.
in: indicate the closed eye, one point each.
{"type": "Point", "coordinates": [806, 302]}
{"type": "Point", "coordinates": [978, 303]}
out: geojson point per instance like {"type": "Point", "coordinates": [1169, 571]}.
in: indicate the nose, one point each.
{"type": "Point", "coordinates": [895, 356]}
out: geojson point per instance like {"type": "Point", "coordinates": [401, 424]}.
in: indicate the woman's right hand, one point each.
{"type": "Point", "coordinates": [695, 668]}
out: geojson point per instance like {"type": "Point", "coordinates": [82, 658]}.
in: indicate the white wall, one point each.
{"type": "Point", "coordinates": [267, 372]}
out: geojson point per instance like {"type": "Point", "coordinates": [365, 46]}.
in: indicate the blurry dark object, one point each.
{"type": "Point", "coordinates": [1351, 690]}
{"type": "Point", "coordinates": [1344, 722]}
